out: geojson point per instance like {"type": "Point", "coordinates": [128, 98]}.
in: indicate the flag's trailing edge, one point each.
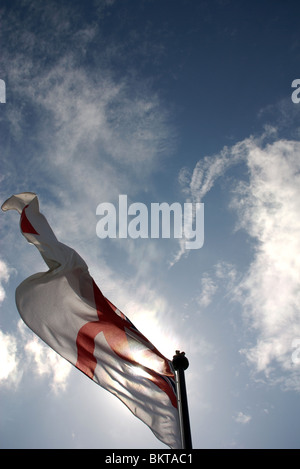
{"type": "Point", "coordinates": [67, 310]}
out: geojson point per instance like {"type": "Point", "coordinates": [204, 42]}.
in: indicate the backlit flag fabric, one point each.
{"type": "Point", "coordinates": [67, 310]}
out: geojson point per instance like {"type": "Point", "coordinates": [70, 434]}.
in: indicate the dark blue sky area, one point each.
{"type": "Point", "coordinates": [219, 61]}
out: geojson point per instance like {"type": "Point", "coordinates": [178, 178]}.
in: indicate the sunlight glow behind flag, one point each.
{"type": "Point", "coordinates": [67, 310]}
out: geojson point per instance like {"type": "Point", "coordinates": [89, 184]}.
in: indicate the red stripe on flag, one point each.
{"type": "Point", "coordinates": [25, 224]}
{"type": "Point", "coordinates": [85, 343]}
{"type": "Point", "coordinates": [113, 326]}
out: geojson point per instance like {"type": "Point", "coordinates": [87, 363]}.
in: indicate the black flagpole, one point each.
{"type": "Point", "coordinates": [181, 363]}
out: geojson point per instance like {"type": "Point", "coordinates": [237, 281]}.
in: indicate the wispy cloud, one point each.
{"type": "Point", "coordinates": [242, 418]}
{"type": "Point", "coordinates": [47, 362]}
{"type": "Point", "coordinates": [9, 372]}
{"type": "Point", "coordinates": [267, 209]}
{"type": "Point", "coordinates": [80, 134]}
{"type": "Point", "coordinates": [79, 113]}
{"type": "Point", "coordinates": [209, 168]}
{"type": "Point", "coordinates": [196, 184]}
{"type": "Point", "coordinates": [4, 277]}
{"type": "Point", "coordinates": [208, 290]}
{"type": "Point", "coordinates": [223, 276]}
{"type": "Point", "coordinates": [92, 135]}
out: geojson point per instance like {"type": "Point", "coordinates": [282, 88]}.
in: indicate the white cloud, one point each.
{"type": "Point", "coordinates": [267, 208]}
{"type": "Point", "coordinates": [226, 271]}
{"type": "Point", "coordinates": [269, 211]}
{"type": "Point", "coordinates": [81, 114]}
{"type": "Point", "coordinates": [4, 277]}
{"type": "Point", "coordinates": [223, 275]}
{"type": "Point", "coordinates": [9, 371]}
{"type": "Point", "coordinates": [23, 353]}
{"type": "Point", "coordinates": [92, 137]}
{"type": "Point", "coordinates": [196, 185]}
{"type": "Point", "coordinates": [48, 362]}
{"type": "Point", "coordinates": [40, 359]}
{"type": "Point", "coordinates": [210, 168]}
{"type": "Point", "coordinates": [208, 290]}
{"type": "Point", "coordinates": [242, 418]}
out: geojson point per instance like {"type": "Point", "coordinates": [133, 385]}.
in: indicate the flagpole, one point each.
{"type": "Point", "coordinates": [181, 363]}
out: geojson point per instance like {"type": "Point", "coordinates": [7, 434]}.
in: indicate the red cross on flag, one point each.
{"type": "Point", "coordinates": [67, 310]}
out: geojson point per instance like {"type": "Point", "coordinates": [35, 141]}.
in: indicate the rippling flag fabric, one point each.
{"type": "Point", "coordinates": [68, 311]}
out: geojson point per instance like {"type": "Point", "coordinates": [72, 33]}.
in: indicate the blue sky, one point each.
{"type": "Point", "coordinates": [164, 101]}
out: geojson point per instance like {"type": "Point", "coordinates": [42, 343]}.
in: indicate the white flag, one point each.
{"type": "Point", "coordinates": [67, 310]}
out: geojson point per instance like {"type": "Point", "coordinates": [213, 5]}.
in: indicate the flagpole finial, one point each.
{"type": "Point", "coordinates": [180, 361]}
